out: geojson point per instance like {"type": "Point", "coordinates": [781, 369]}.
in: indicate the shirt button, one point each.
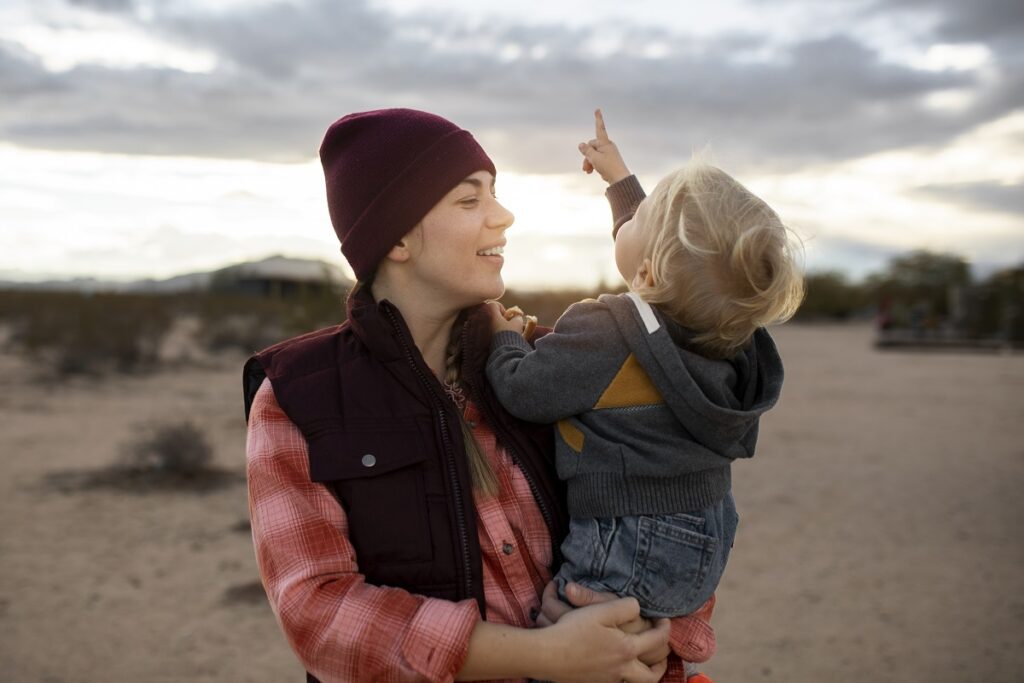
{"type": "Point", "coordinates": [534, 614]}
{"type": "Point", "coordinates": [508, 549]}
{"type": "Point", "coordinates": [369, 460]}
{"type": "Point", "coordinates": [471, 423]}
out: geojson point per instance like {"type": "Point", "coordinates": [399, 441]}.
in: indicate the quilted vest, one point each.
{"type": "Point", "coordinates": [385, 439]}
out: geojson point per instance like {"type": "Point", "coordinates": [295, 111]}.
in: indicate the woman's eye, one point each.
{"type": "Point", "coordinates": [471, 201]}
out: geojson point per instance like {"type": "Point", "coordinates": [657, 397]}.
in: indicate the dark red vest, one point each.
{"type": "Point", "coordinates": [384, 437]}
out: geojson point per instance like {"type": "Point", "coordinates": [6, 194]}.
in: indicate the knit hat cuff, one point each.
{"type": "Point", "coordinates": [395, 211]}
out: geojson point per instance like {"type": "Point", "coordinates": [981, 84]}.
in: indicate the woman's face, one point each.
{"type": "Point", "coordinates": [456, 250]}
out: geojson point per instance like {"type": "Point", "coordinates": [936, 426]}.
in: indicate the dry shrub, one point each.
{"type": "Point", "coordinates": [232, 321]}
{"type": "Point", "coordinates": [166, 456]}
{"type": "Point", "coordinates": [89, 333]}
{"type": "Point", "coordinates": [250, 323]}
{"type": "Point", "coordinates": [179, 449]}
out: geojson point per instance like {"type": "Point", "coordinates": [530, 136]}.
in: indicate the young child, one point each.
{"type": "Point", "coordinates": [656, 391]}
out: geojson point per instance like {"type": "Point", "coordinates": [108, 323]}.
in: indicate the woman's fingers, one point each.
{"type": "Point", "coordinates": [652, 645]}
{"type": "Point", "coordinates": [618, 611]}
{"type": "Point", "coordinates": [638, 672]}
{"type": "Point", "coordinates": [551, 606]}
{"type": "Point", "coordinates": [658, 654]}
{"type": "Point", "coordinates": [597, 650]}
{"type": "Point", "coordinates": [581, 596]}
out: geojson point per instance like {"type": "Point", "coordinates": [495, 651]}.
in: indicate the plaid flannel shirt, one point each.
{"type": "Point", "coordinates": [343, 629]}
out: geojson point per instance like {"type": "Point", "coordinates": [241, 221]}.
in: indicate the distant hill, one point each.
{"type": "Point", "coordinates": [272, 268]}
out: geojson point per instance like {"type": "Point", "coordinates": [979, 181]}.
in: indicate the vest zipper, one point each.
{"type": "Point", "coordinates": [460, 517]}
{"type": "Point", "coordinates": [544, 511]}
{"type": "Point", "coordinates": [541, 503]}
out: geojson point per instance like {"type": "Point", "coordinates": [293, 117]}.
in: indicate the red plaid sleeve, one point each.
{"type": "Point", "coordinates": [692, 636]}
{"type": "Point", "coordinates": [692, 639]}
{"type": "Point", "coordinates": [340, 627]}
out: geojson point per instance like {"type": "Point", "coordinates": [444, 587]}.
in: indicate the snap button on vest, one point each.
{"type": "Point", "coordinates": [508, 548]}
{"type": "Point", "coordinates": [369, 460]}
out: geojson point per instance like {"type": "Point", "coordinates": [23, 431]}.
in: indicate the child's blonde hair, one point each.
{"type": "Point", "coordinates": [721, 261]}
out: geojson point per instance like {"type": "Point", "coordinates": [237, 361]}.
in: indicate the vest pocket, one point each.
{"type": "Point", "coordinates": [378, 476]}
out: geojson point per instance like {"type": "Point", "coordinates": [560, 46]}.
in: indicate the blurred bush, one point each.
{"type": "Point", "coordinates": [88, 333]}
{"type": "Point", "coordinates": [91, 333]}
{"type": "Point", "coordinates": [248, 323]}
{"type": "Point", "coordinates": [84, 333]}
{"type": "Point", "coordinates": [995, 308]}
{"type": "Point", "coordinates": [830, 295]}
{"type": "Point", "coordinates": [171, 455]}
{"type": "Point", "coordinates": [178, 449]}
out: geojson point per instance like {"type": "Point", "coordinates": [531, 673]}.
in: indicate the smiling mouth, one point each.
{"type": "Point", "coordinates": [493, 251]}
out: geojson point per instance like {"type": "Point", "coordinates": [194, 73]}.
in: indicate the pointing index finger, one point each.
{"type": "Point", "coordinates": [602, 132]}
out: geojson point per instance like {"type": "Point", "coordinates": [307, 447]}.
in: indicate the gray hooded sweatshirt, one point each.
{"type": "Point", "coordinates": [645, 425]}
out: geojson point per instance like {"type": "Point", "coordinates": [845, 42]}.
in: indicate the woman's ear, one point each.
{"type": "Point", "coordinates": [399, 253]}
{"type": "Point", "coordinates": [403, 251]}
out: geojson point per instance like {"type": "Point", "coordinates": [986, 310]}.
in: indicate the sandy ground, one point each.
{"type": "Point", "coordinates": [880, 535]}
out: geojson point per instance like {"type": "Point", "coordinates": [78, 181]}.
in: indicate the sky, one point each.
{"type": "Point", "coordinates": [149, 138]}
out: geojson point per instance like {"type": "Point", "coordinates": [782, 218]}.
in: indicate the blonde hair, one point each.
{"type": "Point", "coordinates": [485, 481]}
{"type": "Point", "coordinates": [721, 261]}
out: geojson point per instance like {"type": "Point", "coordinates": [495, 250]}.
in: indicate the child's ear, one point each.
{"type": "Point", "coordinates": [643, 275]}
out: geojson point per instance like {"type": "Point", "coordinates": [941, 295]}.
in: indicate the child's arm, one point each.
{"type": "Point", "coordinates": [567, 371]}
{"type": "Point", "coordinates": [602, 155]}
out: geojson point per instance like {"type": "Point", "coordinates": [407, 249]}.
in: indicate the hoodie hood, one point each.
{"type": "Point", "coordinates": [717, 401]}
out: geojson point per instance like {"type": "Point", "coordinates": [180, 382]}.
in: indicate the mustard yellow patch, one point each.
{"type": "Point", "coordinates": [571, 434]}
{"type": "Point", "coordinates": [630, 387]}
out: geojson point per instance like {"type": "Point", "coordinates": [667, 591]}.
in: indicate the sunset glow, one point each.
{"type": "Point", "coordinates": [147, 139]}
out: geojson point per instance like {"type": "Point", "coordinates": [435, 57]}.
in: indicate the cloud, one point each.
{"type": "Point", "coordinates": [981, 195]}
{"type": "Point", "coordinates": [978, 20]}
{"type": "Point", "coordinates": [104, 5]}
{"type": "Point", "coordinates": [286, 70]}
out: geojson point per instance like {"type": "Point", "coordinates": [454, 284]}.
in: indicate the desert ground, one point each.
{"type": "Point", "coordinates": [880, 536]}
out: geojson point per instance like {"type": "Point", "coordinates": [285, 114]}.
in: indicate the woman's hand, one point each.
{"type": "Point", "coordinates": [586, 645]}
{"type": "Point", "coordinates": [602, 155]}
{"type": "Point", "coordinates": [552, 609]}
{"type": "Point", "coordinates": [594, 646]}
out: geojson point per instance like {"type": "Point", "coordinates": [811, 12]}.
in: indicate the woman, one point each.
{"type": "Point", "coordinates": [406, 526]}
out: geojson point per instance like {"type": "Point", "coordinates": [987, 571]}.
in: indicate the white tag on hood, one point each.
{"type": "Point", "coordinates": [646, 312]}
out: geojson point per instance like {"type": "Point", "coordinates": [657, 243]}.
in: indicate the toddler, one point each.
{"type": "Point", "coordinates": [656, 391]}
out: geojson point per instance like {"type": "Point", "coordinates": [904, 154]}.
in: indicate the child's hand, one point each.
{"type": "Point", "coordinates": [501, 321]}
{"type": "Point", "coordinates": [601, 154]}
{"type": "Point", "coordinates": [511, 319]}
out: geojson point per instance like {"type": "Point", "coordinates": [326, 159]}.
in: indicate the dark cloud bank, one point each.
{"type": "Point", "coordinates": [286, 71]}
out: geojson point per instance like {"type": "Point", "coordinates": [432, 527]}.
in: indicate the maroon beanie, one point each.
{"type": "Point", "coordinates": [385, 170]}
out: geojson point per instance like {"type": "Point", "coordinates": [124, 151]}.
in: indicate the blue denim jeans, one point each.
{"type": "Point", "coordinates": [670, 563]}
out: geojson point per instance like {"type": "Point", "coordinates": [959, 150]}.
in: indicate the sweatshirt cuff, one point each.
{"type": "Point", "coordinates": [441, 644]}
{"type": "Point", "coordinates": [623, 197]}
{"type": "Point", "coordinates": [509, 338]}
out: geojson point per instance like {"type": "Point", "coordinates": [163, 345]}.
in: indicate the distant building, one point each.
{"type": "Point", "coordinates": [280, 277]}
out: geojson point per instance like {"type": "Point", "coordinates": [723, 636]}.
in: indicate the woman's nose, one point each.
{"type": "Point", "coordinates": [500, 217]}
